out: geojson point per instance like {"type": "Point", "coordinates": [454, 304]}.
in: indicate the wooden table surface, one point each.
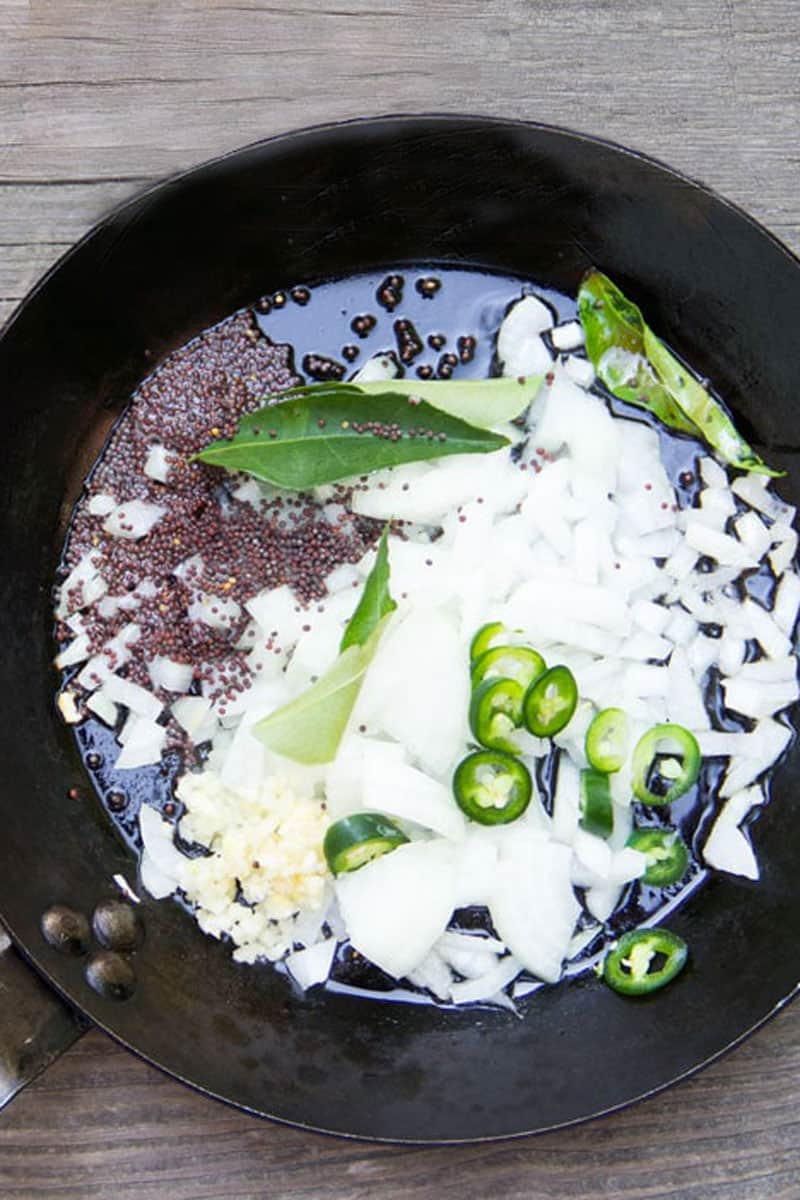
{"type": "Point", "coordinates": [98, 99]}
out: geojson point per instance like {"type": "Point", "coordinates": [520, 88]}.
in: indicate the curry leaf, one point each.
{"type": "Point", "coordinates": [376, 601]}
{"type": "Point", "coordinates": [326, 432]}
{"type": "Point", "coordinates": [309, 728]}
{"type": "Point", "coordinates": [636, 366]}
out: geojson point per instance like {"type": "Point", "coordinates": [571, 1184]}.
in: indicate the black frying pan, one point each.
{"type": "Point", "coordinates": [523, 199]}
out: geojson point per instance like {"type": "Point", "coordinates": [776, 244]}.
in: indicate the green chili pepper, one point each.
{"type": "Point", "coordinates": [508, 662]}
{"type": "Point", "coordinates": [666, 852]}
{"type": "Point", "coordinates": [607, 740]}
{"type": "Point", "coordinates": [550, 702]}
{"type": "Point", "coordinates": [597, 811]}
{"type": "Point", "coordinates": [491, 787]}
{"type": "Point", "coordinates": [357, 839]}
{"type": "Point", "coordinates": [495, 711]}
{"type": "Point", "coordinates": [644, 961]}
{"type": "Point", "coordinates": [483, 639]}
{"type": "Point", "coordinates": [637, 367]}
{"type": "Point", "coordinates": [666, 763]}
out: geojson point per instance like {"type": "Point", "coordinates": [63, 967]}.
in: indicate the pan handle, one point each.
{"type": "Point", "coordinates": [35, 1025]}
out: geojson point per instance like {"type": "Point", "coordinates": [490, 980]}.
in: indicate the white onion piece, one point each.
{"type": "Point", "coordinates": [133, 519]}
{"type": "Point", "coordinates": [485, 986]}
{"type": "Point", "coordinates": [520, 348]}
{"type": "Point", "coordinates": [411, 795]}
{"type": "Point", "coordinates": [470, 942]}
{"type": "Point", "coordinates": [787, 603]}
{"type": "Point", "coordinates": [170, 675]}
{"type": "Point", "coordinates": [342, 578]}
{"type": "Point", "coordinates": [720, 546]}
{"type": "Point", "coordinates": [398, 905]}
{"type": "Point", "coordinates": [770, 670]}
{"type": "Point", "coordinates": [476, 868]}
{"type": "Point", "coordinates": [766, 743]}
{"type": "Point", "coordinates": [134, 697]}
{"type": "Point", "coordinates": [103, 707]}
{"type": "Point", "coordinates": [751, 698]}
{"type": "Point", "coordinates": [727, 848]}
{"type": "Point", "coordinates": [194, 715]}
{"type": "Point", "coordinates": [712, 474]}
{"type": "Point", "coordinates": [345, 776]}
{"type": "Point", "coordinates": [685, 702]}
{"type": "Point", "coordinates": [75, 592]}
{"type": "Point", "coordinates": [155, 882]}
{"type": "Point", "coordinates": [781, 557]}
{"type": "Point", "coordinates": [158, 838]}
{"type": "Point", "coordinates": [762, 627]}
{"type": "Point", "coordinates": [75, 652]}
{"type": "Point", "coordinates": [731, 654]}
{"type": "Point", "coordinates": [380, 366]}
{"type": "Point", "coordinates": [568, 336]}
{"type": "Point", "coordinates": [101, 504]}
{"type": "Point", "coordinates": [533, 906]}
{"type": "Point", "coordinates": [218, 612]}
{"type": "Point", "coordinates": [753, 534]}
{"type": "Point", "coordinates": [143, 745]}
{"type": "Point", "coordinates": [158, 463]}
{"type": "Point", "coordinates": [279, 614]}
{"type": "Point", "coordinates": [581, 372]}
{"type": "Point", "coordinates": [602, 900]}
{"type": "Point", "coordinates": [433, 974]}
{"type": "Point", "coordinates": [312, 965]}
{"type": "Point", "coordinates": [429, 720]}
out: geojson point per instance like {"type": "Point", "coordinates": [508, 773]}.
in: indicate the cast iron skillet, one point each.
{"type": "Point", "coordinates": [520, 198]}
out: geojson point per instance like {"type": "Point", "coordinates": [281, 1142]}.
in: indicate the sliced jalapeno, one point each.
{"type": "Point", "coordinates": [484, 638]}
{"type": "Point", "coordinates": [491, 787]}
{"type": "Point", "coordinates": [357, 839]}
{"type": "Point", "coordinates": [666, 852]}
{"type": "Point", "coordinates": [550, 702]}
{"type": "Point", "coordinates": [644, 961]}
{"type": "Point", "coordinates": [597, 812]}
{"type": "Point", "coordinates": [607, 740]}
{"type": "Point", "coordinates": [509, 662]}
{"type": "Point", "coordinates": [666, 762]}
{"type": "Point", "coordinates": [495, 712]}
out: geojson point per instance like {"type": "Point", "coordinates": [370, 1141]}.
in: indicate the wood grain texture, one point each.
{"type": "Point", "coordinates": [97, 100]}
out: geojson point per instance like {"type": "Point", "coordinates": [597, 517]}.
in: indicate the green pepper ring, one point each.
{"type": "Point", "coordinates": [632, 982]}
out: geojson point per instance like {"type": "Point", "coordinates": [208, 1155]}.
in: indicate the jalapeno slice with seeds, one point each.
{"type": "Point", "coordinates": [495, 712]}
{"type": "Point", "coordinates": [607, 738]}
{"type": "Point", "coordinates": [597, 811]}
{"type": "Point", "coordinates": [550, 702]}
{"type": "Point", "coordinates": [357, 839]}
{"type": "Point", "coordinates": [484, 638]}
{"type": "Point", "coordinates": [666, 852]}
{"type": "Point", "coordinates": [520, 663]}
{"type": "Point", "coordinates": [666, 763]}
{"type": "Point", "coordinates": [491, 787]}
{"type": "Point", "coordinates": [644, 961]}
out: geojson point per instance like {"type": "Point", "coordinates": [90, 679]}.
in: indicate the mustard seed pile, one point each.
{"type": "Point", "coordinates": [180, 546]}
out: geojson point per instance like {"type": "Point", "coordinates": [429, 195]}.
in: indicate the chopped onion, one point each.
{"type": "Point", "coordinates": [169, 675]}
{"type": "Point", "coordinates": [143, 744]}
{"type": "Point", "coordinates": [133, 519]}
{"type": "Point", "coordinates": [158, 463]}
{"type": "Point", "coordinates": [312, 966]}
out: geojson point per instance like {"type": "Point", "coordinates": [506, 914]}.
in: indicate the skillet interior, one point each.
{"type": "Point", "coordinates": [518, 198]}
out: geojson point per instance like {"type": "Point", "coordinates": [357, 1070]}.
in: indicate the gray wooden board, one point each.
{"type": "Point", "coordinates": [97, 100]}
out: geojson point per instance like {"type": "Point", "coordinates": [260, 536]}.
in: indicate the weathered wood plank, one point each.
{"type": "Point", "coordinates": [102, 1123]}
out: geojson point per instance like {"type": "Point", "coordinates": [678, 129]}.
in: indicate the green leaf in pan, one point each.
{"type": "Point", "coordinates": [309, 728]}
{"type": "Point", "coordinates": [321, 433]}
{"type": "Point", "coordinates": [376, 601]}
{"type": "Point", "coordinates": [636, 366]}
